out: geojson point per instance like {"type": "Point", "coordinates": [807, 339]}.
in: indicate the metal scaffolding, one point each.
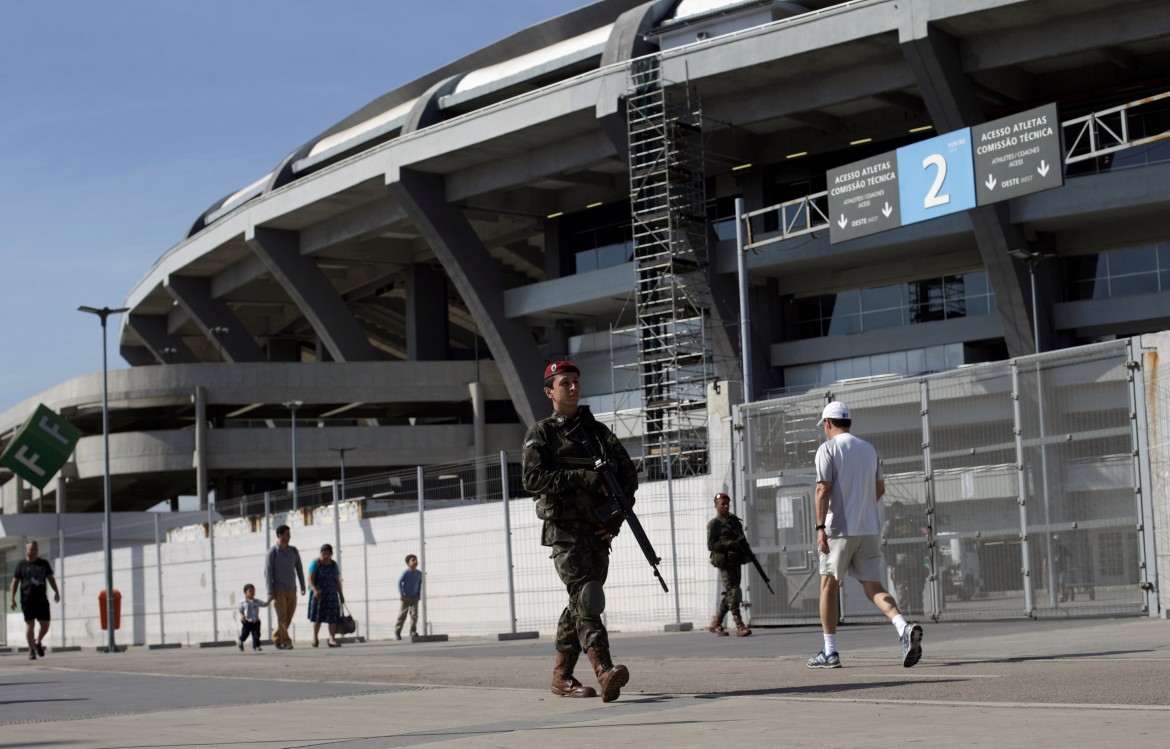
{"type": "Point", "coordinates": [668, 206]}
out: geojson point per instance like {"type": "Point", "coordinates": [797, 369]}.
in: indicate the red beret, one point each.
{"type": "Point", "coordinates": [560, 367]}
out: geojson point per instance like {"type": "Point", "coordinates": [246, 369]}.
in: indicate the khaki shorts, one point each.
{"type": "Point", "coordinates": [860, 556]}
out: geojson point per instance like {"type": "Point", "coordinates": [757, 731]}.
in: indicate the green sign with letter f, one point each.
{"type": "Point", "coordinates": [41, 447]}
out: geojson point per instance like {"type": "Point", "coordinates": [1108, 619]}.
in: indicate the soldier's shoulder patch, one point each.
{"type": "Point", "coordinates": [611, 439]}
{"type": "Point", "coordinates": [533, 441]}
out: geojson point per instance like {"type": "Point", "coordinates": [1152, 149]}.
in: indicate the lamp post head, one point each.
{"type": "Point", "coordinates": [1032, 257]}
{"type": "Point", "coordinates": [104, 312]}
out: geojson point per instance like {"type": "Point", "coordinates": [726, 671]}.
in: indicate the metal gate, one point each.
{"type": "Point", "coordinates": [1012, 488]}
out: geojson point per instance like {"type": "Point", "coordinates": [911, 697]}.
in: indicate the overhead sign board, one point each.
{"type": "Point", "coordinates": [948, 173]}
{"type": "Point", "coordinates": [1017, 155]}
{"type": "Point", "coordinates": [936, 176]}
{"type": "Point", "coordinates": [863, 198]}
{"type": "Point", "coordinates": [41, 447]}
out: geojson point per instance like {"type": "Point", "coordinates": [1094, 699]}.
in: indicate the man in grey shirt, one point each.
{"type": "Point", "coordinates": [282, 572]}
{"type": "Point", "coordinates": [849, 486]}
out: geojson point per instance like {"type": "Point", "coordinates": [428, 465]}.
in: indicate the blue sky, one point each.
{"type": "Point", "coordinates": [121, 121]}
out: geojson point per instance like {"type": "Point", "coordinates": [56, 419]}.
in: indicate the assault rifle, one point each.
{"type": "Point", "coordinates": [752, 556]}
{"type": "Point", "coordinates": [616, 504]}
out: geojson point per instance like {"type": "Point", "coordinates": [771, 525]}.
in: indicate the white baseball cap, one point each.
{"type": "Point", "coordinates": [835, 410]}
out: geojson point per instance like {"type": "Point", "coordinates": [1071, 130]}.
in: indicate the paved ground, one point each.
{"type": "Point", "coordinates": [1007, 684]}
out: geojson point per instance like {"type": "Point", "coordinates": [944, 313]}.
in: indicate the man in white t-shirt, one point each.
{"type": "Point", "coordinates": [849, 486]}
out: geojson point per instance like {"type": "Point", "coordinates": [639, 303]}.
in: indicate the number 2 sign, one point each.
{"type": "Point", "coordinates": [936, 177]}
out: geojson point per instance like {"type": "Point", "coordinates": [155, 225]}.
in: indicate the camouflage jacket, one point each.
{"type": "Point", "coordinates": [726, 541]}
{"type": "Point", "coordinates": [561, 477]}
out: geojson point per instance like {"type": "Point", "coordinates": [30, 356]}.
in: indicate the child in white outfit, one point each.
{"type": "Point", "coordinates": [249, 609]}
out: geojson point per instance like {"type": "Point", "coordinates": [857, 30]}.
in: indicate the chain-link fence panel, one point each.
{"type": "Point", "coordinates": [779, 444]}
{"type": "Point", "coordinates": [1078, 458]}
{"type": "Point", "coordinates": [1010, 487]}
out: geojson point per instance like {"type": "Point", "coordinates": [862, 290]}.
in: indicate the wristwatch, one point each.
{"type": "Point", "coordinates": [820, 527]}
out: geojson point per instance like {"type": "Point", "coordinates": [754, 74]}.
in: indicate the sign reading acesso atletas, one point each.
{"type": "Point", "coordinates": [952, 172]}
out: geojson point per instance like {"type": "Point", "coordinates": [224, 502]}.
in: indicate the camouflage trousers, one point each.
{"type": "Point", "coordinates": [732, 595]}
{"type": "Point", "coordinates": [577, 565]}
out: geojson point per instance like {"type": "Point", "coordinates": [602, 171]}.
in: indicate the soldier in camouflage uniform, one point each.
{"type": "Point", "coordinates": [561, 477]}
{"type": "Point", "coordinates": [728, 546]}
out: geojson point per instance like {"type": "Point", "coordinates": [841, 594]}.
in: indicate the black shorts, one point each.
{"type": "Point", "coordinates": [35, 610]}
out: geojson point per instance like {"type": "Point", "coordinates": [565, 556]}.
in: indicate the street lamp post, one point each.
{"type": "Point", "coordinates": [107, 538]}
{"type": "Point", "coordinates": [341, 451]}
{"type": "Point", "coordinates": [292, 406]}
{"type": "Point", "coordinates": [1033, 258]}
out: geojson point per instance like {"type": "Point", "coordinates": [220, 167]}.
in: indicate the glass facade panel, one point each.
{"type": "Point", "coordinates": [586, 261]}
{"type": "Point", "coordinates": [975, 283]}
{"type": "Point", "coordinates": [847, 303]}
{"type": "Point", "coordinates": [1132, 260]}
{"type": "Point", "coordinates": [977, 306]}
{"type": "Point", "coordinates": [890, 318]}
{"type": "Point", "coordinates": [1117, 273]}
{"type": "Point", "coordinates": [894, 305]}
{"type": "Point", "coordinates": [881, 297]}
{"type": "Point", "coordinates": [615, 254]}
{"type": "Point", "coordinates": [1144, 283]}
{"type": "Point", "coordinates": [845, 324]}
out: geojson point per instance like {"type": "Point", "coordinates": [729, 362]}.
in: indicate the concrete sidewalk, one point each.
{"type": "Point", "coordinates": [1017, 683]}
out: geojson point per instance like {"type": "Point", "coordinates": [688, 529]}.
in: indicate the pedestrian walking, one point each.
{"type": "Point", "coordinates": [849, 486]}
{"type": "Point", "coordinates": [282, 572]}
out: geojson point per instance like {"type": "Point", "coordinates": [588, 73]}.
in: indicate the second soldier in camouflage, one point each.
{"type": "Point", "coordinates": [729, 551]}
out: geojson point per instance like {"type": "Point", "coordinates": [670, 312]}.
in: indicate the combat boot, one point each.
{"type": "Point", "coordinates": [611, 678]}
{"type": "Point", "coordinates": [716, 626]}
{"type": "Point", "coordinates": [741, 629]}
{"type": "Point", "coordinates": [563, 682]}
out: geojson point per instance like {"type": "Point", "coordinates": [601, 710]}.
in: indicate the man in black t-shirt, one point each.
{"type": "Point", "coordinates": [31, 575]}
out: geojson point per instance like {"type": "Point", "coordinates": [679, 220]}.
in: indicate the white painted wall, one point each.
{"type": "Point", "coordinates": [464, 560]}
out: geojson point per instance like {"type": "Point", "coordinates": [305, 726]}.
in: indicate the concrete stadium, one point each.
{"type": "Point", "coordinates": [398, 282]}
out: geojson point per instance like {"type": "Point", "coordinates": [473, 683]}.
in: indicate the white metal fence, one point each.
{"type": "Point", "coordinates": [485, 571]}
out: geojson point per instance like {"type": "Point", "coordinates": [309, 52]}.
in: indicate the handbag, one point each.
{"type": "Point", "coordinates": [347, 625]}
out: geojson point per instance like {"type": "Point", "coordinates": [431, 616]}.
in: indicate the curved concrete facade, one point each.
{"type": "Point", "coordinates": [157, 445]}
{"type": "Point", "coordinates": [447, 223]}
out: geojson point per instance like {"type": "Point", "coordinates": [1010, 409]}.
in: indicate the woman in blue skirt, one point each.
{"type": "Point", "coordinates": [325, 597]}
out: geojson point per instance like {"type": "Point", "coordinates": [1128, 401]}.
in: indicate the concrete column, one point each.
{"type": "Point", "coordinates": [200, 457]}
{"type": "Point", "coordinates": [163, 346]}
{"type": "Point", "coordinates": [426, 314]}
{"type": "Point", "coordinates": [6, 502]}
{"type": "Point", "coordinates": [766, 314]}
{"type": "Point", "coordinates": [480, 446]}
{"type": "Point", "coordinates": [215, 318]}
{"type": "Point", "coordinates": [478, 281]}
{"type": "Point", "coordinates": [558, 255]}
{"type": "Point", "coordinates": [312, 292]}
{"type": "Point", "coordinates": [558, 339]}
